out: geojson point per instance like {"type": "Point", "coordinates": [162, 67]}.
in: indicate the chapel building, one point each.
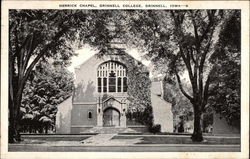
{"type": "Point", "coordinates": [101, 98]}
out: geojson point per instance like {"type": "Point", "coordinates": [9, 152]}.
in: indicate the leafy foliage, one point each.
{"type": "Point", "coordinates": [179, 42]}
{"type": "Point", "coordinates": [181, 107]}
{"type": "Point", "coordinates": [155, 129]}
{"type": "Point", "coordinates": [49, 86]}
{"type": "Point", "coordinates": [140, 106]}
{"type": "Point", "coordinates": [38, 35]}
{"type": "Point", "coordinates": [225, 89]}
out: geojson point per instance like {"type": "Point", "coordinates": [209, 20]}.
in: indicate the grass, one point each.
{"type": "Point", "coordinates": [56, 138]}
{"type": "Point", "coordinates": [38, 139]}
{"type": "Point", "coordinates": [179, 140]}
{"type": "Point", "coordinates": [150, 139]}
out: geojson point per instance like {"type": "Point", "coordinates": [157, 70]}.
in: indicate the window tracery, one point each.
{"type": "Point", "coordinates": [112, 77]}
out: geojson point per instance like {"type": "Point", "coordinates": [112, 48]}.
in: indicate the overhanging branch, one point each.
{"type": "Point", "coordinates": [187, 62]}
{"type": "Point", "coordinates": [181, 87]}
{"type": "Point", "coordinates": [192, 54]}
{"type": "Point", "coordinates": [38, 57]}
{"type": "Point", "coordinates": [211, 22]}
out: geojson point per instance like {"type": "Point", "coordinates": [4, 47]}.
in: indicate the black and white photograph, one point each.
{"type": "Point", "coordinates": [120, 77]}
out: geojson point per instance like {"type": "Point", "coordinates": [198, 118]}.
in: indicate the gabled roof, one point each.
{"type": "Point", "coordinates": [123, 53]}
{"type": "Point", "coordinates": [109, 99]}
{"type": "Point", "coordinates": [145, 68]}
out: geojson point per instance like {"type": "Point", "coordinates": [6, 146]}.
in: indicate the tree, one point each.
{"type": "Point", "coordinates": [49, 86]}
{"type": "Point", "coordinates": [33, 35]}
{"type": "Point", "coordinates": [183, 41]}
{"type": "Point", "coordinates": [181, 107]}
{"type": "Point", "coordinates": [36, 35]}
{"type": "Point", "coordinates": [225, 84]}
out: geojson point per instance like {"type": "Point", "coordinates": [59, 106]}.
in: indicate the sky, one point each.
{"type": "Point", "coordinates": [86, 52]}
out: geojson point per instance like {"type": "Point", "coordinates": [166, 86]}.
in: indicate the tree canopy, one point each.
{"type": "Point", "coordinates": [226, 82]}
{"type": "Point", "coordinates": [179, 42]}
{"type": "Point", "coordinates": [37, 35]}
{"type": "Point", "coordinates": [48, 86]}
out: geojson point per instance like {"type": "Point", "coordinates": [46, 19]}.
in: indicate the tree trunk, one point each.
{"type": "Point", "coordinates": [14, 111]}
{"type": "Point", "coordinates": [197, 134]}
{"type": "Point", "coordinates": [46, 128]}
{"type": "Point", "coordinates": [14, 135]}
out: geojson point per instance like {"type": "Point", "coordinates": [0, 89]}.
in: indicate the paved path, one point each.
{"type": "Point", "coordinates": [98, 139]}
{"type": "Point", "coordinates": [106, 140]}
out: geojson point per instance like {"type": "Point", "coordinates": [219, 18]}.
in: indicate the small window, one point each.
{"type": "Point", "coordinates": [90, 115]}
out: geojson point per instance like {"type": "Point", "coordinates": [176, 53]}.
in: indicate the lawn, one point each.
{"type": "Point", "coordinates": [40, 139]}
{"type": "Point", "coordinates": [145, 139]}
{"type": "Point", "coordinates": [168, 139]}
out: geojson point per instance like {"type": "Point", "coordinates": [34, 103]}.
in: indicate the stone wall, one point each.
{"type": "Point", "coordinates": [75, 117]}
{"type": "Point", "coordinates": [63, 117]}
{"type": "Point", "coordinates": [162, 113]}
{"type": "Point", "coordinates": [79, 115]}
{"type": "Point", "coordinates": [86, 78]}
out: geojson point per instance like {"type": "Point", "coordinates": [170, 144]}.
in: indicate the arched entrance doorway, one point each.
{"type": "Point", "coordinates": [111, 117]}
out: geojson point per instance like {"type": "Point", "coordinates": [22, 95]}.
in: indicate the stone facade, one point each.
{"type": "Point", "coordinates": [100, 97]}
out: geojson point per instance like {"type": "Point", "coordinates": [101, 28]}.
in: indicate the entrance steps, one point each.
{"type": "Point", "coordinates": [110, 130]}
{"type": "Point", "coordinates": [105, 136]}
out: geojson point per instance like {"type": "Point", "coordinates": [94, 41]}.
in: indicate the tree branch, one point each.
{"type": "Point", "coordinates": [181, 87]}
{"type": "Point", "coordinates": [210, 24]}
{"type": "Point", "coordinates": [29, 51]}
{"type": "Point", "coordinates": [192, 54]}
{"type": "Point", "coordinates": [206, 91]}
{"type": "Point", "coordinates": [38, 57]}
{"type": "Point", "coordinates": [203, 56]}
{"type": "Point", "coordinates": [187, 63]}
{"type": "Point", "coordinates": [201, 66]}
{"type": "Point", "coordinates": [196, 35]}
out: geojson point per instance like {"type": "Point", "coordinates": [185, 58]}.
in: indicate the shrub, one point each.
{"type": "Point", "coordinates": [155, 129]}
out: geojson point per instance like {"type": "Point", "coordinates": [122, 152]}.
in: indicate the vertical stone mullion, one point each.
{"type": "Point", "coordinates": [102, 82]}
{"type": "Point", "coordinates": [116, 84]}
{"type": "Point", "coordinates": [121, 81]}
{"type": "Point", "coordinates": [108, 77]}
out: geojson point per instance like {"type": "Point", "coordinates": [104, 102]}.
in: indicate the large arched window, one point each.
{"type": "Point", "coordinates": [112, 77]}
